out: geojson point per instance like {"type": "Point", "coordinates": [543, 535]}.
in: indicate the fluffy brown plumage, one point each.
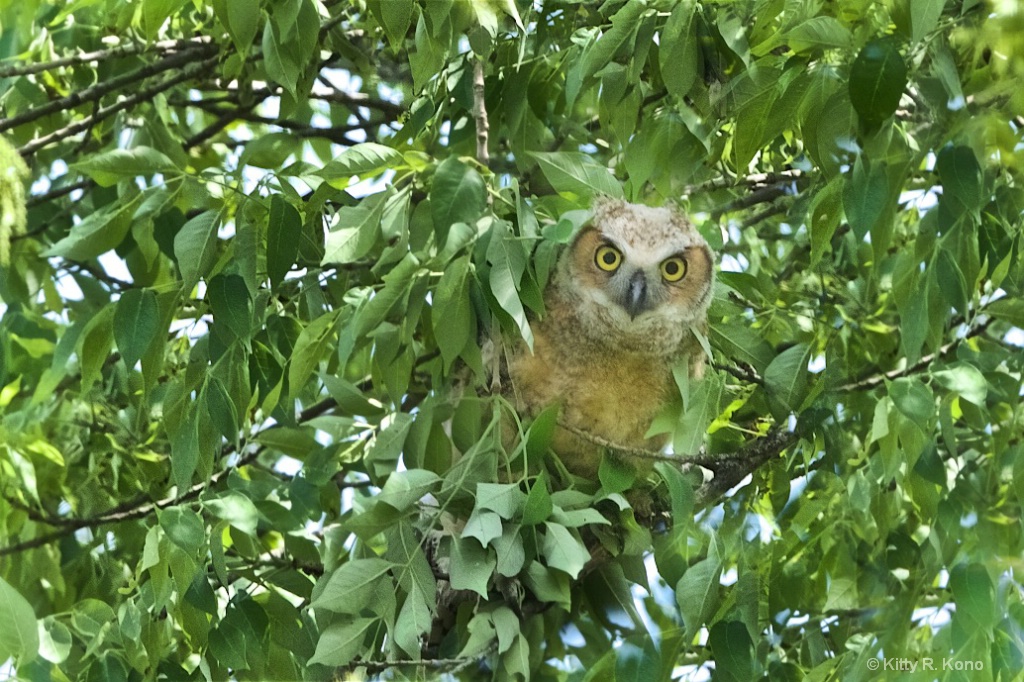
{"type": "Point", "coordinates": [619, 313]}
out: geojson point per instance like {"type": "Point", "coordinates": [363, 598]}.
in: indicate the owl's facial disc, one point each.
{"type": "Point", "coordinates": [637, 299]}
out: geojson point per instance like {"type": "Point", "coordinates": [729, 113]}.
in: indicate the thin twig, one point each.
{"type": "Point", "coordinates": [700, 459]}
{"type": "Point", "coordinates": [762, 195]}
{"type": "Point", "coordinates": [743, 372]}
{"type": "Point", "coordinates": [769, 212]}
{"type": "Point", "coordinates": [57, 193]}
{"type": "Point", "coordinates": [752, 180]}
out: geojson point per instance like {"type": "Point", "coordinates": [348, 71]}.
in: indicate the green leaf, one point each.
{"type": "Point", "coordinates": [697, 592]}
{"type": "Point", "coordinates": [221, 408]}
{"type": "Point", "coordinates": [538, 502]}
{"type": "Point", "coordinates": [865, 192]}
{"type": "Point", "coordinates": [184, 527]}
{"type": "Point", "coordinates": [341, 642]}
{"type": "Point", "coordinates": [232, 307]}
{"type": "Point", "coordinates": [136, 324]}
{"type": "Point", "coordinates": [284, 232]}
{"type": "Point", "coordinates": [241, 18]}
{"type": "Point", "coordinates": [623, 29]}
{"type": "Point", "coordinates": [19, 636]}
{"type": "Point", "coordinates": [363, 160]}
{"type": "Point", "coordinates": [951, 280]}
{"type": "Point", "coordinates": [288, 43]}
{"type": "Point", "coordinates": [913, 399]}
{"type": "Point", "coordinates": [94, 345]}
{"type": "Point", "coordinates": [703, 408]}
{"type": "Point", "coordinates": [239, 638]}
{"type": "Point", "coordinates": [387, 446]}
{"type": "Point", "coordinates": [386, 301]}
{"type": "Point", "coordinates": [961, 178]}
{"type": "Point", "coordinates": [508, 263]}
{"type": "Point", "coordinates": [481, 635]}
{"type": "Point", "coordinates": [195, 247]}
{"type": "Point", "coordinates": [414, 621]}
{"type": "Point", "coordinates": [427, 60]}
{"type": "Point", "coordinates": [506, 626]}
{"type": "Point", "coordinates": [924, 17]}
{"type": "Point", "coordinates": [563, 550]}
{"type": "Point", "coordinates": [351, 587]}
{"type": "Point", "coordinates": [311, 346]}
{"type": "Point", "coordinates": [510, 551]}
{"type": "Point", "coordinates": [356, 231]}
{"type": "Point", "coordinates": [54, 639]}
{"type": "Point", "coordinates": [482, 525]}
{"type": "Point", "coordinates": [733, 650]}
{"type": "Point", "coordinates": [616, 474]}
{"type": "Point", "coordinates": [548, 585]}
{"type": "Point", "coordinates": [457, 195]}
{"type": "Point", "coordinates": [1008, 309]}
{"type": "Point", "coordinates": [505, 499]}
{"type": "Point", "coordinates": [98, 233]}
{"type": "Point", "coordinates": [878, 77]}
{"type": "Point", "coordinates": [637, 660]}
{"type": "Point", "coordinates": [471, 566]}
{"type": "Point", "coordinates": [819, 33]}
{"type": "Point", "coordinates": [155, 13]}
{"type": "Point", "coordinates": [452, 315]}
{"type": "Point", "coordinates": [679, 57]}
{"type": "Point", "coordinates": [185, 452]}
{"type": "Point", "coordinates": [974, 595]}
{"type": "Point", "coordinates": [680, 489]}
{"type": "Point", "coordinates": [842, 593]}
{"type": "Point", "coordinates": [404, 488]}
{"type": "Point", "coordinates": [786, 377]}
{"type": "Point", "coordinates": [235, 508]}
{"type": "Point", "coordinates": [577, 175]}
{"type": "Point", "coordinates": [964, 380]}
{"type": "Point", "coordinates": [108, 168]}
{"type": "Point", "coordinates": [396, 17]}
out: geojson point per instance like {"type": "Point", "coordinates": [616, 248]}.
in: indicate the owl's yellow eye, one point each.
{"type": "Point", "coordinates": [608, 258]}
{"type": "Point", "coordinates": [673, 269]}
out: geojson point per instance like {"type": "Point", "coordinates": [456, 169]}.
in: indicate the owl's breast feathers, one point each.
{"type": "Point", "coordinates": [611, 388]}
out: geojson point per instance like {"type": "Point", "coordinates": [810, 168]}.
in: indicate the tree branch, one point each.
{"type": "Point", "coordinates": [187, 74]}
{"type": "Point", "coordinates": [877, 380]}
{"type": "Point", "coordinates": [103, 55]}
{"type": "Point", "coordinates": [730, 470]}
{"type": "Point", "coordinates": [57, 193]}
{"type": "Point", "coordinates": [480, 113]}
{"type": "Point", "coordinates": [104, 88]}
{"type": "Point", "coordinates": [752, 180]}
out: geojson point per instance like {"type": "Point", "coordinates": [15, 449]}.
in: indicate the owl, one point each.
{"type": "Point", "coordinates": [620, 311]}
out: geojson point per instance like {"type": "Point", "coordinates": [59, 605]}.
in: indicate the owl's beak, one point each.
{"type": "Point", "coordinates": [636, 300]}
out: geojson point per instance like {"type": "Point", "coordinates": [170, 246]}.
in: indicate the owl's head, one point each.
{"type": "Point", "coordinates": [639, 271]}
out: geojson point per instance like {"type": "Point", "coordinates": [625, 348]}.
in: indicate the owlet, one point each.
{"type": "Point", "coordinates": [620, 308]}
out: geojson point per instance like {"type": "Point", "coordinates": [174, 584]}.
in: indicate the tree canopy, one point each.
{"type": "Point", "coordinates": [251, 253]}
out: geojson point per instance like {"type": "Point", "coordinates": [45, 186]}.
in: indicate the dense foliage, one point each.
{"type": "Point", "coordinates": [257, 259]}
